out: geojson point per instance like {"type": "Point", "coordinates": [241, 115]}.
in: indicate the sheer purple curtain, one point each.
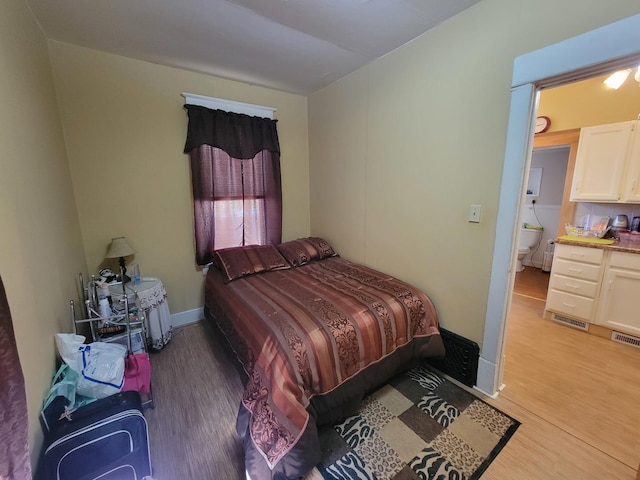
{"type": "Point", "coordinates": [235, 172]}
{"type": "Point", "coordinates": [15, 460]}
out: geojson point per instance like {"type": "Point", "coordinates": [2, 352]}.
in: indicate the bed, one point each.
{"type": "Point", "coordinates": [314, 332]}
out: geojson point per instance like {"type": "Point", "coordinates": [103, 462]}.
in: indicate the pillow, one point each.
{"type": "Point", "coordinates": [304, 250]}
{"type": "Point", "coordinates": [324, 249]}
{"type": "Point", "coordinates": [237, 262]}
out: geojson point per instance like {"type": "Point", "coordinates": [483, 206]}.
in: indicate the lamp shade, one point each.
{"type": "Point", "coordinates": [119, 248]}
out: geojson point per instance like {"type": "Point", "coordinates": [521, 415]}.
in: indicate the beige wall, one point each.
{"type": "Point", "coordinates": [125, 128]}
{"type": "Point", "coordinates": [590, 102]}
{"type": "Point", "coordinates": [41, 251]}
{"type": "Point", "coordinates": [398, 151]}
{"type": "Point", "coordinates": [402, 147]}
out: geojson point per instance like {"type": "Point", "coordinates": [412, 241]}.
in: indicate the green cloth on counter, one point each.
{"type": "Point", "coordinates": [601, 241]}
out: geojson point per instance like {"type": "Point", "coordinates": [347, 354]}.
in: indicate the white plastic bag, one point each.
{"type": "Point", "coordinates": [102, 369]}
{"type": "Point", "coordinates": [100, 365]}
{"type": "Point", "coordinates": [68, 345]}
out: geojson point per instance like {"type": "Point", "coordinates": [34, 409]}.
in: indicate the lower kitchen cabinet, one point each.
{"type": "Point", "coordinates": [620, 294]}
{"type": "Point", "coordinates": [574, 284]}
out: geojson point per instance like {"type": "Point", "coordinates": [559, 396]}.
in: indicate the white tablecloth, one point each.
{"type": "Point", "coordinates": [150, 297]}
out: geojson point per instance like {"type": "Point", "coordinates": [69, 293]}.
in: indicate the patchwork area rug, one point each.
{"type": "Point", "coordinates": [418, 426]}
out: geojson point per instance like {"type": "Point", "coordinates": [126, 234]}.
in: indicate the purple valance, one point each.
{"type": "Point", "coordinates": [240, 135]}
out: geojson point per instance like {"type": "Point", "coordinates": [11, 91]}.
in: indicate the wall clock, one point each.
{"type": "Point", "coordinates": [542, 124]}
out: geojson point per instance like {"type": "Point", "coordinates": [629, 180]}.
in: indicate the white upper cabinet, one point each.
{"type": "Point", "coordinates": [607, 164]}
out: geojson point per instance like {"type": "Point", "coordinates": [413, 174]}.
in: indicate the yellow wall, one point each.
{"type": "Point", "coordinates": [41, 251]}
{"type": "Point", "coordinates": [125, 129]}
{"type": "Point", "coordinates": [590, 102]}
{"type": "Point", "coordinates": [398, 151]}
{"type": "Point", "coordinates": [120, 162]}
{"type": "Point", "coordinates": [401, 148]}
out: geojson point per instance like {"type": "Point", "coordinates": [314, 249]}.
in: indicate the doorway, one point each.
{"type": "Point", "coordinates": [541, 208]}
{"type": "Point", "coordinates": [554, 156]}
{"type": "Point", "coordinates": [571, 60]}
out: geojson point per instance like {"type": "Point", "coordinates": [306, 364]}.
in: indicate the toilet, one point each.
{"type": "Point", "coordinates": [529, 237]}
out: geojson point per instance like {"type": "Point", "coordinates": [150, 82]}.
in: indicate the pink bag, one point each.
{"type": "Point", "coordinates": [137, 375]}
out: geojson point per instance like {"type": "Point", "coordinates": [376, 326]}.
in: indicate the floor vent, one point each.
{"type": "Point", "coordinates": [626, 339]}
{"type": "Point", "coordinates": [461, 358]}
{"type": "Point", "coordinates": [571, 322]}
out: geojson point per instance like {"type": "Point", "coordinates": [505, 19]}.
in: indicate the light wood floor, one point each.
{"type": "Point", "coordinates": [576, 395]}
{"type": "Point", "coordinates": [532, 282]}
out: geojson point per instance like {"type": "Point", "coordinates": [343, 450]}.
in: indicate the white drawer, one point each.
{"type": "Point", "coordinates": [630, 261]}
{"type": "Point", "coordinates": [584, 271]}
{"type": "Point", "coordinates": [580, 254]}
{"type": "Point", "coordinates": [576, 286]}
{"type": "Point", "coordinates": [572, 305]}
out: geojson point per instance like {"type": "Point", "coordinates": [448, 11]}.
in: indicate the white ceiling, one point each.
{"type": "Point", "coordinates": [298, 46]}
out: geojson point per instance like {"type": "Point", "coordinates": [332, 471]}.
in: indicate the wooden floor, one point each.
{"type": "Point", "coordinates": [532, 282]}
{"type": "Point", "coordinates": [197, 391]}
{"type": "Point", "coordinates": [576, 395]}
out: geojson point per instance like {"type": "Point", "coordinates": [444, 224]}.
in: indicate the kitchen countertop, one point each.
{"type": "Point", "coordinates": [616, 245]}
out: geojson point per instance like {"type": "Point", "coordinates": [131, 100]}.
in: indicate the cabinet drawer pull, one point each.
{"type": "Point", "coordinates": [568, 305]}
{"type": "Point", "coordinates": [577, 287]}
{"type": "Point", "coordinates": [577, 270]}
{"type": "Point", "coordinates": [577, 254]}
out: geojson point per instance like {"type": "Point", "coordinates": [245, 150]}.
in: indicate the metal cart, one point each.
{"type": "Point", "coordinates": [125, 325]}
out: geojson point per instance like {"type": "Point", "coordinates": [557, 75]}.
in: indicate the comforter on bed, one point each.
{"type": "Point", "coordinates": [303, 332]}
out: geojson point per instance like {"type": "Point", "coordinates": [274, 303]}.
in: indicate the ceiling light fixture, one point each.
{"type": "Point", "coordinates": [616, 79]}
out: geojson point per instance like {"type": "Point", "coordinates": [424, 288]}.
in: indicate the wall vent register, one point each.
{"type": "Point", "coordinates": [571, 322]}
{"type": "Point", "coordinates": [626, 339]}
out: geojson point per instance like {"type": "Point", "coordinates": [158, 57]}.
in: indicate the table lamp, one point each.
{"type": "Point", "coordinates": [119, 248]}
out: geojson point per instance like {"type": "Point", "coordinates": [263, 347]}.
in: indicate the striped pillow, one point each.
{"type": "Point", "coordinates": [304, 250]}
{"type": "Point", "coordinates": [238, 262]}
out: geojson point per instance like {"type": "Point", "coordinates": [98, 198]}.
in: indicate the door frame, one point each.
{"type": "Point", "coordinates": [618, 46]}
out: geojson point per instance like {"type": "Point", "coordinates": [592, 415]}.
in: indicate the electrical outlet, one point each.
{"type": "Point", "coordinates": [474, 213]}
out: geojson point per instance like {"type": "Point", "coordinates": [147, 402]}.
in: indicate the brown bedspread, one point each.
{"type": "Point", "coordinates": [303, 332]}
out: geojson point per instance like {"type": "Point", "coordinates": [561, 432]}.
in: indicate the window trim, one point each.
{"type": "Point", "coordinates": [229, 105]}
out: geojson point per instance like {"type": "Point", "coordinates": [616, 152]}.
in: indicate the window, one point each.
{"type": "Point", "coordinates": [235, 172]}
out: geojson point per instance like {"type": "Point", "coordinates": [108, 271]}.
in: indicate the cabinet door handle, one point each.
{"type": "Point", "coordinates": [610, 284]}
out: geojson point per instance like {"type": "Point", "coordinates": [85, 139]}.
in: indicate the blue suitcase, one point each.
{"type": "Point", "coordinates": [106, 439]}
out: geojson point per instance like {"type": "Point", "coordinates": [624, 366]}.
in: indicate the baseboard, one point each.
{"type": "Point", "coordinates": [531, 264]}
{"type": "Point", "coordinates": [486, 382]}
{"type": "Point", "coordinates": [185, 318]}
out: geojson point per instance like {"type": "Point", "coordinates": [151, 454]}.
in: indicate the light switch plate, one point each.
{"type": "Point", "coordinates": [474, 213]}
